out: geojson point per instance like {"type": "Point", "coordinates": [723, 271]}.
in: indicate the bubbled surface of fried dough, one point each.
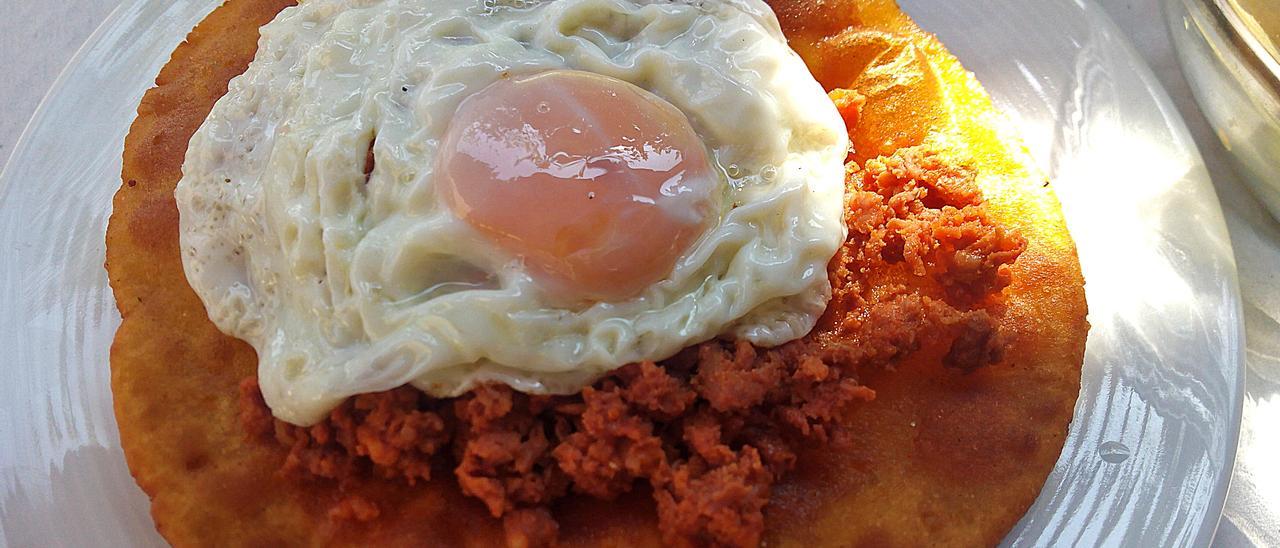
{"type": "Point", "coordinates": [941, 458]}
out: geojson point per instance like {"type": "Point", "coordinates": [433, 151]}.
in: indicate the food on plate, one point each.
{"type": "Point", "coordinates": [528, 214]}
{"type": "Point", "coordinates": [587, 272]}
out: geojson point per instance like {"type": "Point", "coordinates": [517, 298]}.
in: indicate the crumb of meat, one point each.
{"type": "Point", "coordinates": [716, 503]}
{"type": "Point", "coordinates": [393, 434]}
{"type": "Point", "coordinates": [712, 429]}
{"type": "Point", "coordinates": [918, 208]}
{"type": "Point", "coordinates": [849, 104]}
{"type": "Point", "coordinates": [504, 451]}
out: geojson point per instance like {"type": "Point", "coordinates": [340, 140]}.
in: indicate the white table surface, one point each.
{"type": "Point", "coordinates": [38, 37]}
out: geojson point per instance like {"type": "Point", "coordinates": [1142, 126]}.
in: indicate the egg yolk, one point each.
{"type": "Point", "coordinates": [598, 185]}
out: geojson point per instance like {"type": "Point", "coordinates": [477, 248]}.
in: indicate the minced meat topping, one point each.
{"type": "Point", "coordinates": [712, 429]}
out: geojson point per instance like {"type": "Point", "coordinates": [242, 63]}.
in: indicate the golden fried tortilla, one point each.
{"type": "Point", "coordinates": [941, 457]}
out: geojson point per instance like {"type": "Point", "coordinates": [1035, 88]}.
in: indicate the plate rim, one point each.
{"type": "Point", "coordinates": [1156, 90]}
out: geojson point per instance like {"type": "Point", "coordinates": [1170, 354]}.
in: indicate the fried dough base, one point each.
{"type": "Point", "coordinates": [941, 457]}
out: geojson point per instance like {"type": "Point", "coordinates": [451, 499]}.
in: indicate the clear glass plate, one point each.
{"type": "Point", "coordinates": [1236, 82]}
{"type": "Point", "coordinates": [1151, 448]}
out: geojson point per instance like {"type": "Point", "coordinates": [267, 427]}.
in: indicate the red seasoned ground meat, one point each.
{"type": "Point", "coordinates": [712, 429]}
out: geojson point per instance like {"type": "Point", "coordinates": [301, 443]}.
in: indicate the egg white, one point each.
{"type": "Point", "coordinates": [347, 286]}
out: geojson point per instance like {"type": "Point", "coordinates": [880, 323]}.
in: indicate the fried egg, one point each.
{"type": "Point", "coordinates": [450, 192]}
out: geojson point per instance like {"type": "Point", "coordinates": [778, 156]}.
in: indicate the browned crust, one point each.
{"type": "Point", "coordinates": [944, 458]}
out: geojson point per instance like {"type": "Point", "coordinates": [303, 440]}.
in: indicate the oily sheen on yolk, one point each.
{"type": "Point", "coordinates": [597, 185]}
